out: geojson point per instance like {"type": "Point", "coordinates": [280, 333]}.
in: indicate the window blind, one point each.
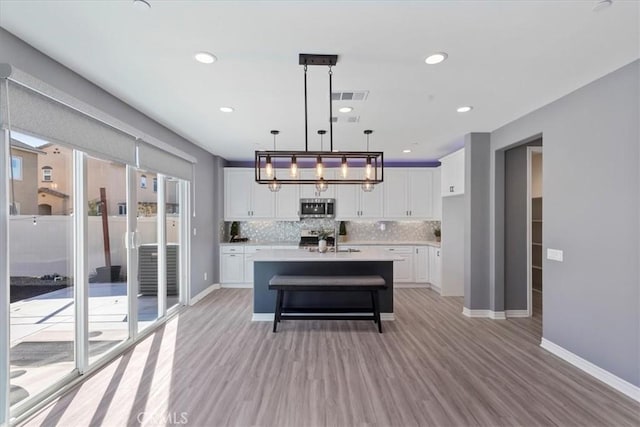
{"type": "Point", "coordinates": [154, 159]}
{"type": "Point", "coordinates": [36, 114]}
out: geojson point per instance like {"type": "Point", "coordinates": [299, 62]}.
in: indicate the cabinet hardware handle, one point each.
{"type": "Point", "coordinates": [410, 213]}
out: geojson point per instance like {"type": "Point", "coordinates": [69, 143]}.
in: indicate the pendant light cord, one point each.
{"type": "Point", "coordinates": [306, 125]}
{"type": "Point", "coordinates": [330, 109]}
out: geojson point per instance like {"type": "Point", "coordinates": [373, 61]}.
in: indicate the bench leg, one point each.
{"type": "Point", "coordinates": [376, 312]}
{"type": "Point", "coordinates": [373, 306]}
{"type": "Point", "coordinates": [278, 310]}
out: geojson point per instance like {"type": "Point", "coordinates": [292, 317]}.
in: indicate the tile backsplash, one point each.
{"type": "Point", "coordinates": [289, 231]}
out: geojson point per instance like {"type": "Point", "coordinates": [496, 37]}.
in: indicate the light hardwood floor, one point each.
{"type": "Point", "coordinates": [432, 366]}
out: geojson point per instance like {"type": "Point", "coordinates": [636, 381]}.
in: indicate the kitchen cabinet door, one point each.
{"type": "Point", "coordinates": [452, 175]}
{"type": "Point", "coordinates": [395, 194]}
{"type": "Point", "coordinates": [263, 202]}
{"type": "Point", "coordinates": [231, 268]}
{"type": "Point", "coordinates": [437, 195]}
{"type": "Point", "coordinates": [421, 264]}
{"type": "Point", "coordinates": [288, 203]}
{"type": "Point", "coordinates": [237, 194]}
{"type": "Point", "coordinates": [403, 268]}
{"type": "Point", "coordinates": [348, 202]}
{"type": "Point", "coordinates": [435, 267]}
{"type": "Point", "coordinates": [372, 203]}
{"type": "Point", "coordinates": [420, 183]}
{"type": "Point", "coordinates": [249, 254]}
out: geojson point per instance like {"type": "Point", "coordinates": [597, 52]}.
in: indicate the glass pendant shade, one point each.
{"type": "Point", "coordinates": [274, 185]}
{"type": "Point", "coordinates": [319, 167]}
{"type": "Point", "coordinates": [321, 185]}
{"type": "Point", "coordinates": [368, 168]}
{"type": "Point", "coordinates": [367, 186]}
{"type": "Point", "coordinates": [269, 167]}
{"type": "Point", "coordinates": [344, 167]}
{"type": "Point", "coordinates": [293, 171]}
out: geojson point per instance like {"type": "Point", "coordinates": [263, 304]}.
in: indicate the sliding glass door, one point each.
{"type": "Point", "coordinates": [41, 269]}
{"type": "Point", "coordinates": [107, 267]}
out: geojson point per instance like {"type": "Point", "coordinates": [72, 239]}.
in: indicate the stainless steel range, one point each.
{"type": "Point", "coordinates": [309, 238]}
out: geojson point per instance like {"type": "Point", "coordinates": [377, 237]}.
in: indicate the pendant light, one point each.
{"type": "Point", "coordinates": [321, 184]}
{"type": "Point", "coordinates": [274, 185]}
{"type": "Point", "coordinates": [265, 161]}
{"type": "Point", "coordinates": [367, 185]}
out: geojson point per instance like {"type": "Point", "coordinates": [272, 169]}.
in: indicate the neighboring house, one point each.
{"type": "Point", "coordinates": [23, 189]}
{"type": "Point", "coordinates": [55, 167]}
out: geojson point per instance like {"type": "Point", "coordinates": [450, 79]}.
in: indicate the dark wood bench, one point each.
{"type": "Point", "coordinates": [371, 284]}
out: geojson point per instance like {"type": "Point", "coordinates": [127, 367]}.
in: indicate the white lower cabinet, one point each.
{"type": "Point", "coordinates": [402, 269]}
{"type": "Point", "coordinates": [231, 268]}
{"type": "Point", "coordinates": [236, 263]}
{"type": "Point", "coordinates": [435, 267]}
{"type": "Point", "coordinates": [421, 264]}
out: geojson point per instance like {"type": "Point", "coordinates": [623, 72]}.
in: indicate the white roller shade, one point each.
{"type": "Point", "coordinates": [41, 116]}
{"type": "Point", "coordinates": [156, 160]}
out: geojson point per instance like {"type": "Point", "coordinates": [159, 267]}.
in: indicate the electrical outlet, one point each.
{"type": "Point", "coordinates": [555, 254]}
{"type": "Point", "coordinates": [205, 275]}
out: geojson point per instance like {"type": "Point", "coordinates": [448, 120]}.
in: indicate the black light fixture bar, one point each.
{"type": "Point", "coordinates": [355, 158]}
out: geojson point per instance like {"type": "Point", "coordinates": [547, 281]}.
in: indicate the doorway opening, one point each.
{"type": "Point", "coordinates": [534, 235]}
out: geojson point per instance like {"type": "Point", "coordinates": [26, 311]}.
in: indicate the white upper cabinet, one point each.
{"type": "Point", "coordinates": [308, 191]}
{"type": "Point", "coordinates": [244, 198]}
{"type": "Point", "coordinates": [452, 174]}
{"type": "Point", "coordinates": [408, 193]}
{"type": "Point", "coordinates": [437, 194]}
{"type": "Point", "coordinates": [288, 203]}
{"type": "Point", "coordinates": [352, 203]}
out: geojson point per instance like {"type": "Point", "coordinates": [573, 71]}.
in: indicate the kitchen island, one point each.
{"type": "Point", "coordinates": [297, 262]}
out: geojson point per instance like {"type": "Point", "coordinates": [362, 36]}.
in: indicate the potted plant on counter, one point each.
{"type": "Point", "coordinates": [322, 239]}
{"type": "Point", "coordinates": [437, 232]}
{"type": "Point", "coordinates": [342, 232]}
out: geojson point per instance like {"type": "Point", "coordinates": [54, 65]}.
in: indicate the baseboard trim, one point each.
{"type": "Point", "coordinates": [238, 285]}
{"type": "Point", "coordinates": [518, 313]}
{"type": "Point", "coordinates": [411, 285]}
{"type": "Point", "coordinates": [605, 376]}
{"type": "Point", "coordinates": [490, 314]}
{"type": "Point", "coordinates": [268, 317]}
{"type": "Point", "coordinates": [204, 293]}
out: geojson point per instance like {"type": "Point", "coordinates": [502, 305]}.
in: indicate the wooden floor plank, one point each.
{"type": "Point", "coordinates": [432, 366]}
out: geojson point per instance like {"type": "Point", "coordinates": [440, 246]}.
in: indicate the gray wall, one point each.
{"type": "Point", "coordinates": [515, 227]}
{"type": "Point", "coordinates": [452, 245]}
{"type": "Point", "coordinates": [477, 286]}
{"type": "Point", "coordinates": [24, 57]}
{"type": "Point", "coordinates": [591, 182]}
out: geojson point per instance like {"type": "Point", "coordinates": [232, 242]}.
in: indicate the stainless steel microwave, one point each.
{"type": "Point", "coordinates": [317, 208]}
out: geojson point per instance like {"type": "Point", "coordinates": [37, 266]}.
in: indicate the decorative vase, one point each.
{"type": "Point", "coordinates": [322, 245]}
{"type": "Point", "coordinates": [438, 238]}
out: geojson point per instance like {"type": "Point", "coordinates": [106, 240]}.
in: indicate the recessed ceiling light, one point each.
{"type": "Point", "coordinates": [141, 4]}
{"type": "Point", "coordinates": [464, 109]}
{"type": "Point", "coordinates": [226, 109]}
{"type": "Point", "coordinates": [345, 109]}
{"type": "Point", "coordinates": [205, 57]}
{"type": "Point", "coordinates": [406, 151]}
{"type": "Point", "coordinates": [436, 58]}
{"type": "Point", "coordinates": [602, 4]}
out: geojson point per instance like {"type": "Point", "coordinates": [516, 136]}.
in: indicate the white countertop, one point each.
{"type": "Point", "coordinates": [347, 243]}
{"type": "Point", "coordinates": [372, 254]}
{"type": "Point", "coordinates": [261, 243]}
{"type": "Point", "coordinates": [390, 243]}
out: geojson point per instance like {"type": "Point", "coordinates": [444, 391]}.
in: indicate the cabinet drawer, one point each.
{"type": "Point", "coordinates": [226, 249]}
{"type": "Point", "coordinates": [399, 249]}
{"type": "Point", "coordinates": [254, 249]}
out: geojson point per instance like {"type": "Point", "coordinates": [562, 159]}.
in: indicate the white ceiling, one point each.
{"type": "Point", "coordinates": [506, 58]}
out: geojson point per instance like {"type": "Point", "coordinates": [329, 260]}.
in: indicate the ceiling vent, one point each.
{"type": "Point", "coordinates": [350, 95]}
{"type": "Point", "coordinates": [345, 119]}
